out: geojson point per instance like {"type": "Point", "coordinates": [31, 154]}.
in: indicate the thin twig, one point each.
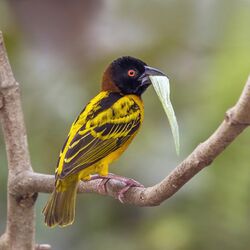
{"type": "Point", "coordinates": [42, 247]}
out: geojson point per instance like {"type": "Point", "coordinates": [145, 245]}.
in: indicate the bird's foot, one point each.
{"type": "Point", "coordinates": [128, 184]}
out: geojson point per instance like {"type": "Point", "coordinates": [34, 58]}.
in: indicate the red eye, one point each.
{"type": "Point", "coordinates": [131, 73]}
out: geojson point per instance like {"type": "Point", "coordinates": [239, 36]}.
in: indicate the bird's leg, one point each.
{"type": "Point", "coordinates": [128, 181]}
{"type": "Point", "coordinates": [102, 186]}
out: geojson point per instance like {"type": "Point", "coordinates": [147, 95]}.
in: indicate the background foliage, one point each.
{"type": "Point", "coordinates": [58, 51]}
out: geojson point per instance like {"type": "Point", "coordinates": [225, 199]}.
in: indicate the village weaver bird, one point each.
{"type": "Point", "coordinates": [99, 135]}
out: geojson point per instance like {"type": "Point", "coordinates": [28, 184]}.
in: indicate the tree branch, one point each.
{"type": "Point", "coordinates": [20, 228]}
{"type": "Point", "coordinates": [24, 184]}
{"type": "Point", "coordinates": [236, 120]}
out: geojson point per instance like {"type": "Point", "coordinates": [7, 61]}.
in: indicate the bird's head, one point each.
{"type": "Point", "coordinates": [128, 75]}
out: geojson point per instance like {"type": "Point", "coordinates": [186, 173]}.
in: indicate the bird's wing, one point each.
{"type": "Point", "coordinates": [102, 135]}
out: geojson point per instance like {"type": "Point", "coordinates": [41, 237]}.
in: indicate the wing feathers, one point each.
{"type": "Point", "coordinates": [109, 129]}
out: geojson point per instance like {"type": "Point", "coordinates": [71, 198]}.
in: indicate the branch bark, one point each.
{"type": "Point", "coordinates": [24, 184]}
{"type": "Point", "coordinates": [236, 120]}
{"type": "Point", "coordinates": [20, 228]}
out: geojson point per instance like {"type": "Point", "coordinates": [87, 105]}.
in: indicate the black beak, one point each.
{"type": "Point", "coordinates": [149, 71]}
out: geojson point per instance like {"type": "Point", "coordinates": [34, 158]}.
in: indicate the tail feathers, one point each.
{"type": "Point", "coordinates": [60, 208]}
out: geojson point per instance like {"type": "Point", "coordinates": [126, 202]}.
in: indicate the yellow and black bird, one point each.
{"type": "Point", "coordinates": [100, 134]}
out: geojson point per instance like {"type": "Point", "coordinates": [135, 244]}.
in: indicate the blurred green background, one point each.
{"type": "Point", "coordinates": [58, 51]}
